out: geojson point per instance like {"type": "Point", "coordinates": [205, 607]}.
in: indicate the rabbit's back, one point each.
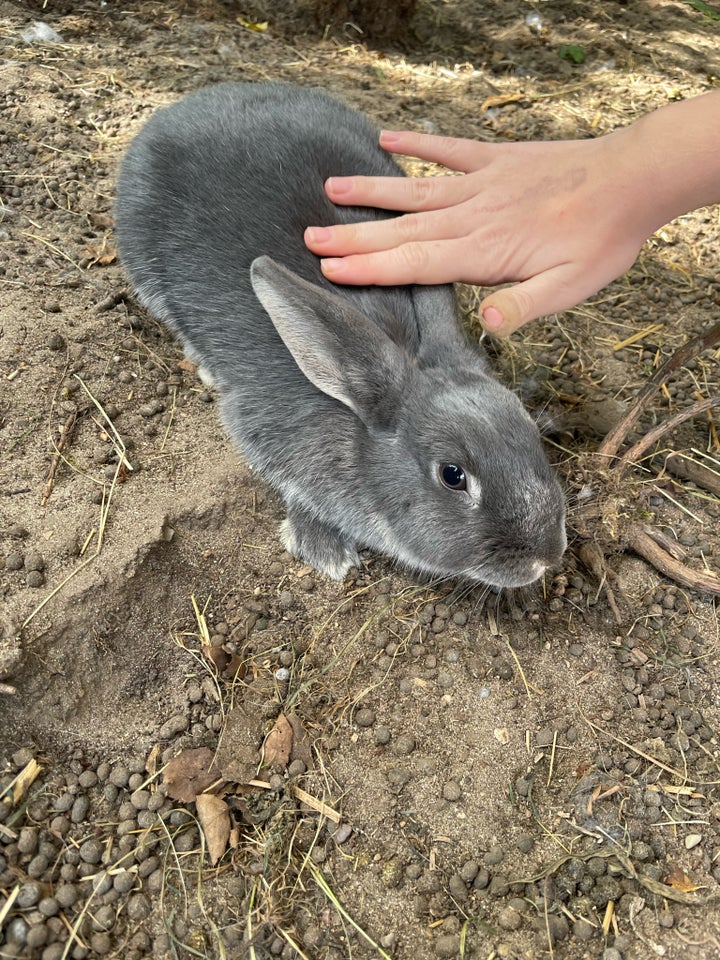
{"type": "Point", "coordinates": [228, 174]}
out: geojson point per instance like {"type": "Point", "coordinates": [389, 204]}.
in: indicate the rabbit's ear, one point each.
{"type": "Point", "coordinates": [338, 349]}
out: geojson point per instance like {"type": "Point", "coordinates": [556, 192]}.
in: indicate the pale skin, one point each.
{"type": "Point", "coordinates": [558, 220]}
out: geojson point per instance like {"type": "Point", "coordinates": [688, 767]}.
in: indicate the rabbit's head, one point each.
{"type": "Point", "coordinates": [450, 477]}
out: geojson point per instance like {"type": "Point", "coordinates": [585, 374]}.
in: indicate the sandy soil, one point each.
{"type": "Point", "coordinates": [535, 775]}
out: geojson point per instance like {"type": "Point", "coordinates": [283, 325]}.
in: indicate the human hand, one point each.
{"type": "Point", "coordinates": [564, 218]}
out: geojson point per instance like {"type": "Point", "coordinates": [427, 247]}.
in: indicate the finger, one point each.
{"type": "Point", "coordinates": [372, 236]}
{"type": "Point", "coordinates": [426, 262]}
{"type": "Point", "coordinates": [560, 288]}
{"type": "Point", "coordinates": [453, 152]}
{"type": "Point", "coordinates": [399, 193]}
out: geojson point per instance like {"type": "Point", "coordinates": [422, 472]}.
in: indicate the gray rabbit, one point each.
{"type": "Point", "coordinates": [365, 407]}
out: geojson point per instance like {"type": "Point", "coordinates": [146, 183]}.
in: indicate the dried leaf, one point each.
{"type": "Point", "coordinates": [500, 100]}
{"type": "Point", "coordinates": [236, 668]}
{"type": "Point", "coordinates": [251, 25]}
{"type": "Point", "coordinates": [101, 220]}
{"type": "Point", "coordinates": [216, 655]}
{"type": "Point", "coordinates": [103, 254]}
{"type": "Point", "coordinates": [214, 817]}
{"type": "Point", "coordinates": [680, 881]}
{"type": "Point", "coordinates": [278, 744]}
{"type": "Point", "coordinates": [187, 365]}
{"type": "Point", "coordinates": [188, 774]}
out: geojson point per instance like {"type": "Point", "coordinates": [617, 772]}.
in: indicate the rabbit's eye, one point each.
{"type": "Point", "coordinates": [452, 476]}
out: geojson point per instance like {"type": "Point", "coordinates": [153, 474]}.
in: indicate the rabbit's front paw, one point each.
{"type": "Point", "coordinates": [321, 546]}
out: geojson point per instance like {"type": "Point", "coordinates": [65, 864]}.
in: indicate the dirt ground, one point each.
{"type": "Point", "coordinates": [394, 770]}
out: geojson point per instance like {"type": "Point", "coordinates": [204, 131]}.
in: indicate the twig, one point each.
{"type": "Point", "coordinates": [614, 440]}
{"type": "Point", "coordinates": [65, 435]}
{"type": "Point", "coordinates": [685, 467]}
{"type": "Point", "coordinates": [645, 545]}
{"type": "Point", "coordinates": [652, 436]}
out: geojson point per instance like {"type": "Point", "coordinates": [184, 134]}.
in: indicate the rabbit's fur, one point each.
{"type": "Point", "coordinates": [350, 400]}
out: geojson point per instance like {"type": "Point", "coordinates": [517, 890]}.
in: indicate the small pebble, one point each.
{"type": "Point", "coordinates": [27, 840]}
{"type": "Point", "coordinates": [16, 931]}
{"type": "Point", "coordinates": [447, 945]}
{"type": "Point", "coordinates": [66, 895]}
{"type": "Point", "coordinates": [100, 943]}
{"type": "Point", "coordinates": [119, 775]}
{"type": "Point", "coordinates": [365, 717]}
{"type": "Point", "coordinates": [286, 600]}
{"type": "Point", "coordinates": [482, 879]}
{"type": "Point", "coordinates": [499, 886]}
{"type": "Point", "coordinates": [403, 746]}
{"type": "Point", "coordinates": [451, 791]}
{"type": "Point", "coordinates": [140, 799]}
{"type": "Point", "coordinates": [87, 779]}
{"type": "Point", "coordinates": [583, 930]}
{"type": "Point", "coordinates": [103, 918]}
{"type": "Point", "coordinates": [525, 843]}
{"type": "Point", "coordinates": [37, 936]}
{"type": "Point", "coordinates": [342, 834]}
{"type": "Point", "coordinates": [177, 724]}
{"type": "Point", "coordinates": [457, 887]}
{"type": "Point", "coordinates": [28, 895]}
{"type": "Point", "coordinates": [124, 881]}
{"type": "Point", "coordinates": [38, 866]}
{"type": "Point", "coordinates": [494, 855]}
{"type": "Point", "coordinates": [49, 907]}
{"type": "Point", "coordinates": [509, 919]}
{"type": "Point", "coordinates": [382, 735]}
{"type": "Point", "coordinates": [79, 810]}
{"type": "Point", "coordinates": [91, 851]}
{"type": "Point", "coordinates": [55, 951]}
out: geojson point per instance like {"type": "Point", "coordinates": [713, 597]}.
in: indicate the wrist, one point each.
{"type": "Point", "coordinates": [671, 160]}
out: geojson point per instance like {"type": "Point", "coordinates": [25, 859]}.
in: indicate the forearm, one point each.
{"type": "Point", "coordinates": [672, 156]}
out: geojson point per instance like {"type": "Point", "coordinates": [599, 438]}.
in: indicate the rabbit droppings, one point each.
{"type": "Point", "coordinates": [364, 407]}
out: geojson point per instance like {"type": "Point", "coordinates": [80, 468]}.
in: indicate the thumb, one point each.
{"type": "Point", "coordinates": [505, 310]}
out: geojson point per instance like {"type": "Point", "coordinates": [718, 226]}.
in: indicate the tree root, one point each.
{"type": "Point", "coordinates": [656, 548]}
{"type": "Point", "coordinates": [615, 439]}
{"type": "Point", "coordinates": [648, 545]}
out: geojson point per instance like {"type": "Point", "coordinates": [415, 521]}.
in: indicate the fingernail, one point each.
{"type": "Point", "coordinates": [338, 185]}
{"type": "Point", "coordinates": [318, 234]}
{"type": "Point", "coordinates": [492, 318]}
{"type": "Point", "coordinates": [388, 138]}
{"type": "Point", "coordinates": [331, 266]}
